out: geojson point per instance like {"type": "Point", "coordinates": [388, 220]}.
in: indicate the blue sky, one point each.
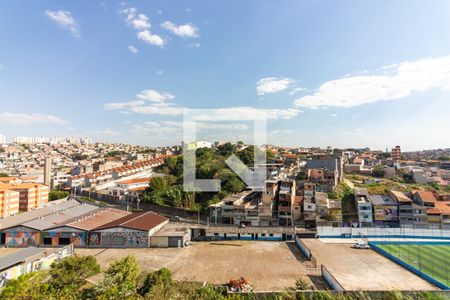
{"type": "Point", "coordinates": [329, 73]}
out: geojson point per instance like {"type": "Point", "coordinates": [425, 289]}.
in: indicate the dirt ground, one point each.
{"type": "Point", "coordinates": [266, 265]}
{"type": "Point", "coordinates": [358, 269]}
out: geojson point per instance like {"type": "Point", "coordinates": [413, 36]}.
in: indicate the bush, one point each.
{"type": "Point", "coordinates": [55, 195]}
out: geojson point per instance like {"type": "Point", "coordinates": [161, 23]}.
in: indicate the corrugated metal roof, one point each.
{"type": "Point", "coordinates": [17, 257]}
{"type": "Point", "coordinates": [24, 217]}
{"type": "Point", "coordinates": [60, 217]}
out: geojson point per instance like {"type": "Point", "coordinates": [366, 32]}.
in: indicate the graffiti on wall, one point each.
{"type": "Point", "coordinates": [124, 239]}
{"type": "Point", "coordinates": [22, 238]}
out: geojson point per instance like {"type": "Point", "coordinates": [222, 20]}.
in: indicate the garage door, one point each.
{"type": "Point", "coordinates": [163, 242]}
{"type": "Point", "coordinates": [175, 242]}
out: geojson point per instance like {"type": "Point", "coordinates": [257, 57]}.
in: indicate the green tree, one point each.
{"type": "Point", "coordinates": [3, 175]}
{"type": "Point", "coordinates": [68, 275]}
{"type": "Point", "coordinates": [302, 175]}
{"type": "Point", "coordinates": [120, 280]}
{"type": "Point", "coordinates": [55, 195]}
{"type": "Point", "coordinates": [161, 277]}
{"type": "Point", "coordinates": [28, 286]}
{"type": "Point", "coordinates": [378, 171]}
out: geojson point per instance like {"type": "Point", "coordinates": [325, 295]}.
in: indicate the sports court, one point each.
{"type": "Point", "coordinates": [358, 269]}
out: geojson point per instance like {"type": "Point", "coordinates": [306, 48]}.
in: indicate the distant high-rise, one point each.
{"type": "Point", "coordinates": [47, 171]}
{"type": "Point", "coordinates": [2, 139]}
{"type": "Point", "coordinates": [396, 153]}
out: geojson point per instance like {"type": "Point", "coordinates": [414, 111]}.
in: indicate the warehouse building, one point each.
{"type": "Point", "coordinates": [77, 232]}
{"type": "Point", "coordinates": [131, 231]}
{"type": "Point", "coordinates": [29, 233]}
{"type": "Point", "coordinates": [21, 218]}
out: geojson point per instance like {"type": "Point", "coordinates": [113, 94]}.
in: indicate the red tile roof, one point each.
{"type": "Point", "coordinates": [140, 221]}
{"type": "Point", "coordinates": [444, 207]}
{"type": "Point", "coordinates": [426, 196]}
{"type": "Point", "coordinates": [99, 218]}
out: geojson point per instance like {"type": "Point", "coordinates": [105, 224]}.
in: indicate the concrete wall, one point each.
{"type": "Point", "coordinates": [339, 232]}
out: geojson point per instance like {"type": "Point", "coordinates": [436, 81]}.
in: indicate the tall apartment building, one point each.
{"type": "Point", "coordinates": [2, 139]}
{"type": "Point", "coordinates": [396, 153]}
{"type": "Point", "coordinates": [47, 171]}
{"type": "Point", "coordinates": [9, 202]}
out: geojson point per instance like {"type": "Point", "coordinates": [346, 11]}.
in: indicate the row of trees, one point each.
{"type": "Point", "coordinates": [69, 279]}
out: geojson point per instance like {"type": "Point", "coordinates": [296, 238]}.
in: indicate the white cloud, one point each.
{"type": "Point", "coordinates": [395, 82]}
{"type": "Point", "coordinates": [155, 96]}
{"type": "Point", "coordinates": [334, 115]}
{"type": "Point", "coordinates": [157, 110]}
{"type": "Point", "coordinates": [142, 24]}
{"type": "Point", "coordinates": [123, 105]}
{"type": "Point", "coordinates": [26, 119]}
{"type": "Point", "coordinates": [65, 20]}
{"type": "Point", "coordinates": [148, 102]}
{"type": "Point", "coordinates": [159, 72]}
{"type": "Point", "coordinates": [150, 38]}
{"type": "Point", "coordinates": [132, 49]}
{"type": "Point", "coordinates": [186, 30]}
{"type": "Point", "coordinates": [270, 85]}
{"type": "Point", "coordinates": [296, 90]}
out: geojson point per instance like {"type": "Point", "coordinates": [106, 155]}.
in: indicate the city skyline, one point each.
{"type": "Point", "coordinates": [123, 72]}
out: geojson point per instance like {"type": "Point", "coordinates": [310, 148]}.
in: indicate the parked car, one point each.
{"type": "Point", "coordinates": [361, 245]}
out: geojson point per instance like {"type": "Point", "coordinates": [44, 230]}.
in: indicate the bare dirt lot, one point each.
{"type": "Point", "coordinates": [358, 269]}
{"type": "Point", "coordinates": [267, 265]}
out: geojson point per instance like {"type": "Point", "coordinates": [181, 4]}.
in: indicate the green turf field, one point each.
{"type": "Point", "coordinates": [433, 260]}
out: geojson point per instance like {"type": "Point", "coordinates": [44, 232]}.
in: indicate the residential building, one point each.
{"type": "Point", "coordinates": [2, 139]}
{"type": "Point", "coordinates": [434, 218]}
{"type": "Point", "coordinates": [285, 201]}
{"type": "Point", "coordinates": [405, 208]}
{"type": "Point", "coordinates": [396, 153]}
{"type": "Point", "coordinates": [309, 204]}
{"type": "Point", "coordinates": [325, 172]}
{"type": "Point", "coordinates": [9, 202]}
{"type": "Point", "coordinates": [385, 211]}
{"type": "Point", "coordinates": [424, 198]}
{"type": "Point", "coordinates": [363, 207]}
{"type": "Point", "coordinates": [32, 195]}
{"type": "Point", "coordinates": [329, 211]}
{"type": "Point", "coordinates": [444, 208]}
{"type": "Point", "coordinates": [266, 206]}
